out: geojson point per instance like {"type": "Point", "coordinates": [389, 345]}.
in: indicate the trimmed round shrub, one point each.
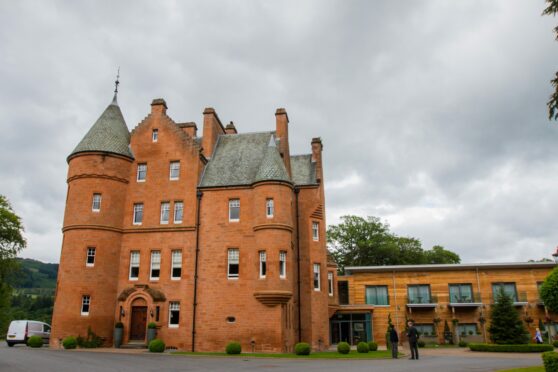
{"type": "Point", "coordinates": [343, 348]}
{"type": "Point", "coordinates": [550, 361]}
{"type": "Point", "coordinates": [463, 343]}
{"type": "Point", "coordinates": [156, 346]}
{"type": "Point", "coordinates": [421, 343]}
{"type": "Point", "coordinates": [69, 342]}
{"type": "Point", "coordinates": [372, 346]}
{"type": "Point", "coordinates": [151, 325]}
{"type": "Point", "coordinates": [233, 348]}
{"type": "Point", "coordinates": [362, 347]}
{"type": "Point", "coordinates": [35, 341]}
{"type": "Point", "coordinates": [555, 343]}
{"type": "Point", "coordinates": [302, 348]}
{"type": "Point", "coordinates": [119, 325]}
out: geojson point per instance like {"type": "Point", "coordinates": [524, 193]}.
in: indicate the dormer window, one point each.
{"type": "Point", "coordinates": [155, 135]}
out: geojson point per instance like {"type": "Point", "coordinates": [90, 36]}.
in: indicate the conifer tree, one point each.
{"type": "Point", "coordinates": [506, 327]}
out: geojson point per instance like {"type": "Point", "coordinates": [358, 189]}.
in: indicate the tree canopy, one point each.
{"type": "Point", "coordinates": [549, 291]}
{"type": "Point", "coordinates": [552, 9]}
{"type": "Point", "coordinates": [359, 241]}
{"type": "Point", "coordinates": [505, 325]}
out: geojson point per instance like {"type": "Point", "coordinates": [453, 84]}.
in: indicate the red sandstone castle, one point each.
{"type": "Point", "coordinates": [214, 238]}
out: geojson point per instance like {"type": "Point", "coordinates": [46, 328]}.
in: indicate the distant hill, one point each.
{"type": "Point", "coordinates": [33, 274]}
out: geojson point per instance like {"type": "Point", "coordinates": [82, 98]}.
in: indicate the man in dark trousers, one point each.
{"type": "Point", "coordinates": [394, 341]}
{"type": "Point", "coordinates": [412, 335]}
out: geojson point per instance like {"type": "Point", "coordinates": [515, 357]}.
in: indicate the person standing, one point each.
{"type": "Point", "coordinates": [538, 336]}
{"type": "Point", "coordinates": [394, 341]}
{"type": "Point", "coordinates": [413, 336]}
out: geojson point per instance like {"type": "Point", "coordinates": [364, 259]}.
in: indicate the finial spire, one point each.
{"type": "Point", "coordinates": [116, 83]}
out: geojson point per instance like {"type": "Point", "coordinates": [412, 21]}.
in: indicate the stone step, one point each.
{"type": "Point", "coordinates": [134, 345]}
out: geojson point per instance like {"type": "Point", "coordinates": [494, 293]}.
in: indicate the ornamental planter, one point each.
{"type": "Point", "coordinates": [117, 337]}
{"type": "Point", "coordinates": [151, 334]}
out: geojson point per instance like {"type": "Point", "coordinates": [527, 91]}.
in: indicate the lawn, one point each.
{"type": "Point", "coordinates": [526, 369]}
{"type": "Point", "coordinates": [318, 355]}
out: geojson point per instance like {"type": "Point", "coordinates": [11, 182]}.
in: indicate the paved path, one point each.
{"type": "Point", "coordinates": [21, 358]}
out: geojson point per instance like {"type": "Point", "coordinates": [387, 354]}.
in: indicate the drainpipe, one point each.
{"type": "Point", "coordinates": [296, 191]}
{"type": "Point", "coordinates": [199, 195]}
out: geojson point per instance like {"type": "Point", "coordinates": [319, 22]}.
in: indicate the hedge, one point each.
{"type": "Point", "coordinates": [550, 361]}
{"type": "Point", "coordinates": [35, 341]}
{"type": "Point", "coordinates": [233, 348]}
{"type": "Point", "coordinates": [372, 346]}
{"type": "Point", "coordinates": [343, 348]}
{"type": "Point", "coordinates": [69, 342]}
{"type": "Point", "coordinates": [156, 346]}
{"type": "Point", "coordinates": [362, 347]}
{"type": "Point", "coordinates": [421, 343]}
{"type": "Point", "coordinates": [302, 348]}
{"type": "Point", "coordinates": [555, 343]}
{"type": "Point", "coordinates": [527, 348]}
{"type": "Point", "coordinates": [463, 343]}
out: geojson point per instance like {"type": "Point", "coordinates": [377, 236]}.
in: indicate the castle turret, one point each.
{"type": "Point", "coordinates": [98, 175]}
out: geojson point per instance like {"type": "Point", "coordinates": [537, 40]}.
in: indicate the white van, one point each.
{"type": "Point", "coordinates": [21, 330]}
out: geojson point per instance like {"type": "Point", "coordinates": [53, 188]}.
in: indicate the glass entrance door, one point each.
{"type": "Point", "coordinates": [351, 328]}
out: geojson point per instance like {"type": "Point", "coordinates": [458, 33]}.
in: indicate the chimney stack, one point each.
{"type": "Point", "coordinates": [282, 134]}
{"type": "Point", "coordinates": [212, 128]}
{"type": "Point", "coordinates": [159, 106]}
{"type": "Point", "coordinates": [230, 128]}
{"type": "Point", "coordinates": [317, 148]}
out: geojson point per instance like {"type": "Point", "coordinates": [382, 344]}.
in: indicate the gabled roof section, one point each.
{"type": "Point", "coordinates": [303, 170]}
{"type": "Point", "coordinates": [236, 159]}
{"type": "Point", "coordinates": [108, 134]}
{"type": "Point", "coordinates": [272, 167]}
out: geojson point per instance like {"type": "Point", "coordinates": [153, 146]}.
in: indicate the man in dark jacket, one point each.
{"type": "Point", "coordinates": [413, 336]}
{"type": "Point", "coordinates": [394, 341]}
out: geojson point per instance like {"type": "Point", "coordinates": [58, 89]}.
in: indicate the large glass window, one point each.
{"type": "Point", "coordinates": [343, 292]}
{"type": "Point", "coordinates": [418, 294]}
{"type": "Point", "coordinates": [138, 213]}
{"type": "Point", "coordinates": [96, 205]}
{"type": "Point", "coordinates": [316, 276]}
{"type": "Point", "coordinates": [466, 329]}
{"type": "Point", "coordinates": [142, 172]}
{"type": "Point", "coordinates": [233, 266]}
{"type": "Point", "coordinates": [508, 288]}
{"type": "Point", "coordinates": [461, 293]}
{"type": "Point", "coordinates": [174, 314]}
{"type": "Point", "coordinates": [176, 269]}
{"type": "Point", "coordinates": [377, 295]}
{"type": "Point", "coordinates": [282, 264]}
{"type": "Point", "coordinates": [165, 211]}
{"type": "Point", "coordinates": [178, 211]}
{"type": "Point", "coordinates": [155, 265]}
{"type": "Point", "coordinates": [234, 210]}
{"type": "Point", "coordinates": [155, 135]}
{"type": "Point", "coordinates": [85, 304]}
{"type": "Point", "coordinates": [330, 283]}
{"type": "Point", "coordinates": [134, 265]}
{"type": "Point", "coordinates": [425, 329]}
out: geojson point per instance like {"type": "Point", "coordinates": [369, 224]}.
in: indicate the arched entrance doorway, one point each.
{"type": "Point", "coordinates": [138, 320]}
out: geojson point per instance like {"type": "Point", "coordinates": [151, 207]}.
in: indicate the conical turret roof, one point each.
{"type": "Point", "coordinates": [108, 134]}
{"type": "Point", "coordinates": [272, 166]}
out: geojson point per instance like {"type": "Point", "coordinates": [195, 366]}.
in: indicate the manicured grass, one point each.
{"type": "Point", "coordinates": [440, 346]}
{"type": "Point", "coordinates": [526, 369]}
{"type": "Point", "coordinates": [314, 355]}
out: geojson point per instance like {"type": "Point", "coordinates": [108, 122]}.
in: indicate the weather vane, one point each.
{"type": "Point", "coordinates": [117, 82]}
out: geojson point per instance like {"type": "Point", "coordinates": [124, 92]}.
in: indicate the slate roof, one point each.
{"type": "Point", "coordinates": [242, 159]}
{"type": "Point", "coordinates": [303, 170]}
{"type": "Point", "coordinates": [272, 166]}
{"type": "Point", "coordinates": [108, 134]}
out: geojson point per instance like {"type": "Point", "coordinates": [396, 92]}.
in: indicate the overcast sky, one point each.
{"type": "Point", "coordinates": [432, 113]}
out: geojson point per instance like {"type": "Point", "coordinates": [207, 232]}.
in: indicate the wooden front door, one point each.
{"type": "Point", "coordinates": [138, 323]}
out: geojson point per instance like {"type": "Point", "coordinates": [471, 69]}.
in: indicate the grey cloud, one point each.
{"type": "Point", "coordinates": [432, 113]}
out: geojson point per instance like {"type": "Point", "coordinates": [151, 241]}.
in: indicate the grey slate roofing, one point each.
{"type": "Point", "coordinates": [303, 170]}
{"type": "Point", "coordinates": [242, 159]}
{"type": "Point", "coordinates": [272, 166]}
{"type": "Point", "coordinates": [108, 134]}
